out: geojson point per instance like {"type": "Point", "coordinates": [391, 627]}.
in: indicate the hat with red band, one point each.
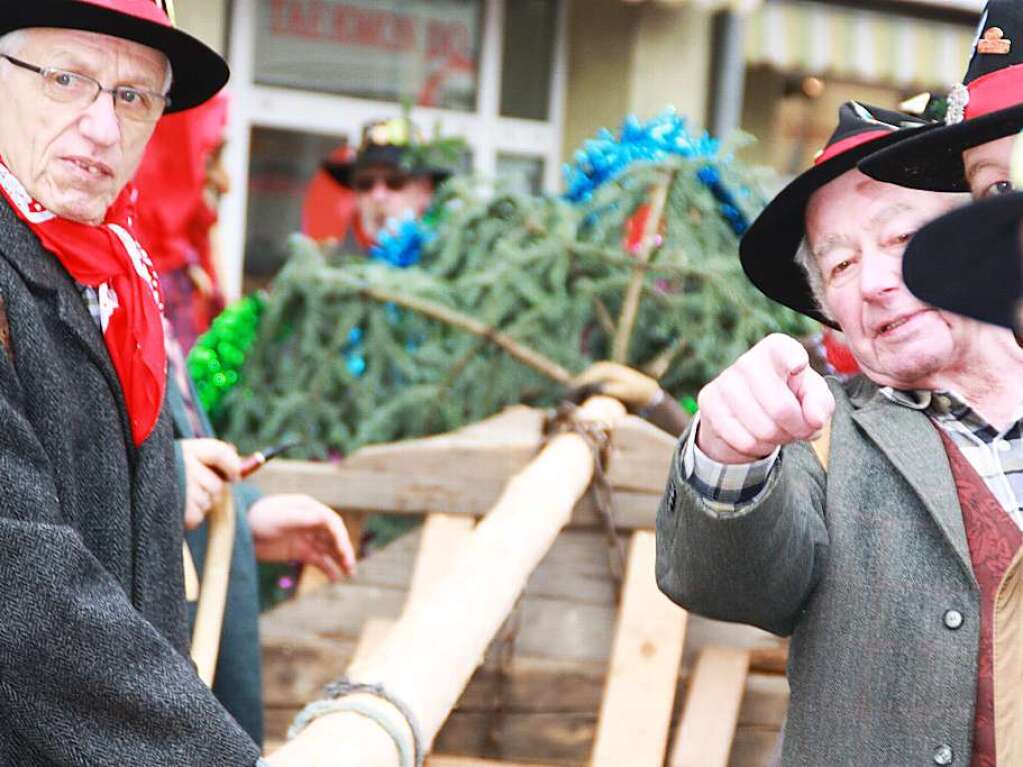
{"type": "Point", "coordinates": [987, 106]}
{"type": "Point", "coordinates": [199, 72]}
{"type": "Point", "coordinates": [768, 249]}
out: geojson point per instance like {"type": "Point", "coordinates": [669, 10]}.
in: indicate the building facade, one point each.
{"type": "Point", "coordinates": [525, 82]}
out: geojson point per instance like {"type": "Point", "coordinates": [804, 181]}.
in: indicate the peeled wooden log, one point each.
{"type": "Point", "coordinates": [430, 654]}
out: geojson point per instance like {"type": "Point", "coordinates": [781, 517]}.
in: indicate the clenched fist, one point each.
{"type": "Point", "coordinates": [769, 397]}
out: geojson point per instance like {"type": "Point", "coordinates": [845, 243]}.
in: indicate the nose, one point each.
{"type": "Point", "coordinates": [880, 274]}
{"type": "Point", "coordinates": [379, 190]}
{"type": "Point", "coordinates": [99, 123]}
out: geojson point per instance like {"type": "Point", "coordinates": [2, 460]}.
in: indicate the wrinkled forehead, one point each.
{"type": "Point", "coordinates": [995, 154]}
{"type": "Point", "coordinates": [92, 52]}
{"type": "Point", "coordinates": [854, 204]}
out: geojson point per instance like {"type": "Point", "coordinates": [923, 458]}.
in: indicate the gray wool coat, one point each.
{"type": "Point", "coordinates": [93, 639]}
{"type": "Point", "coordinates": [861, 566]}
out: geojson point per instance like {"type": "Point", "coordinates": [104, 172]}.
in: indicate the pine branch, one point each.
{"type": "Point", "coordinates": [513, 348]}
{"type": "Point", "coordinates": [659, 365]}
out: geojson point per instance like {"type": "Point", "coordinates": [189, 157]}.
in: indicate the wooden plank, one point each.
{"type": "Point", "coordinates": [711, 714]}
{"type": "Point", "coordinates": [465, 472]}
{"type": "Point", "coordinates": [409, 491]}
{"type": "Point", "coordinates": [636, 713]}
{"type": "Point", "coordinates": [640, 456]}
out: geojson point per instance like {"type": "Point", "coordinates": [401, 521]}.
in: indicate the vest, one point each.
{"type": "Point", "coordinates": [994, 540]}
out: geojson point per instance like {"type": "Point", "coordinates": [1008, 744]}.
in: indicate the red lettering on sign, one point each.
{"type": "Point", "coordinates": [369, 30]}
{"type": "Point", "coordinates": [353, 25]}
{"type": "Point", "coordinates": [405, 34]}
{"type": "Point", "coordinates": [340, 25]}
{"type": "Point", "coordinates": [314, 18]}
{"type": "Point", "coordinates": [277, 8]}
{"type": "Point", "coordinates": [446, 40]}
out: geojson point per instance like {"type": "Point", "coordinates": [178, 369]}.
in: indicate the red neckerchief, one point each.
{"type": "Point", "coordinates": [108, 258]}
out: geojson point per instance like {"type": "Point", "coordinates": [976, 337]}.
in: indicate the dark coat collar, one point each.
{"type": "Point", "coordinates": [44, 274]}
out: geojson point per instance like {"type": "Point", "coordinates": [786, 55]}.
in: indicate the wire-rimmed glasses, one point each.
{"type": "Point", "coordinates": [80, 90]}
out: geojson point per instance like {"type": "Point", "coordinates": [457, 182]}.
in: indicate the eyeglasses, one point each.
{"type": "Point", "coordinates": [394, 182]}
{"type": "Point", "coordinates": [82, 91]}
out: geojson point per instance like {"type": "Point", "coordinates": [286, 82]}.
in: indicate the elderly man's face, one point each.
{"type": "Point", "coordinates": [857, 229]}
{"type": "Point", "coordinates": [989, 167]}
{"type": "Point", "coordinates": [75, 160]}
{"type": "Point", "coordinates": [383, 192]}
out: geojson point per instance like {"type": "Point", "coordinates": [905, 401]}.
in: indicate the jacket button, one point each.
{"type": "Point", "coordinates": [953, 620]}
{"type": "Point", "coordinates": [943, 755]}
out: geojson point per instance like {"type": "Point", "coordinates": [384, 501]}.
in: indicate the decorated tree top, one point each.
{"type": "Point", "coordinates": [508, 297]}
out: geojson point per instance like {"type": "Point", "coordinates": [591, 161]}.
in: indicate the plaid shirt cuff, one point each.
{"type": "Point", "coordinates": [724, 487]}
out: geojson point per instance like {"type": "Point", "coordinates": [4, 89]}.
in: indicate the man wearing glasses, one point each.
{"type": "Point", "coordinates": [93, 640]}
{"type": "Point", "coordinates": [390, 182]}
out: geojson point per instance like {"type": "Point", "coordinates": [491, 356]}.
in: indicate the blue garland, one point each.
{"type": "Point", "coordinates": [401, 242]}
{"type": "Point", "coordinates": [607, 156]}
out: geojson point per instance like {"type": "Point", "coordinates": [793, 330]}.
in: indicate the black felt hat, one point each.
{"type": "Point", "coordinates": [199, 71]}
{"type": "Point", "coordinates": [768, 249]}
{"type": "Point", "coordinates": [988, 105]}
{"type": "Point", "coordinates": [386, 142]}
{"type": "Point", "coordinates": [969, 261]}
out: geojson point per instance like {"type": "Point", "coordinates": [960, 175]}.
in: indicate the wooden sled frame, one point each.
{"type": "Point", "coordinates": [635, 718]}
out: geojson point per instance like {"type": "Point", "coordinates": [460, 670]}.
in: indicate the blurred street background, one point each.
{"type": "Point", "coordinates": [525, 82]}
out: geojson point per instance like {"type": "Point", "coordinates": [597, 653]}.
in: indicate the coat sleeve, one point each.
{"type": "Point", "coordinates": [757, 565]}
{"type": "Point", "coordinates": [84, 679]}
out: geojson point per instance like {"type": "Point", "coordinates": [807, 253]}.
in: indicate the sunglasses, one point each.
{"type": "Point", "coordinates": [394, 182]}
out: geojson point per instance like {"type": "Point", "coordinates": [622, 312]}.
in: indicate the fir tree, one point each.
{"type": "Point", "coordinates": [514, 295]}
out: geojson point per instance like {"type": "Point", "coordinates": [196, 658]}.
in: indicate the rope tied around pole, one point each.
{"type": "Point", "coordinates": [598, 437]}
{"type": "Point", "coordinates": [379, 706]}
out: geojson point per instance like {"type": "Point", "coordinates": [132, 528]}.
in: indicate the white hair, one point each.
{"type": "Point", "coordinates": [12, 42]}
{"type": "Point", "coordinates": [808, 262]}
{"type": "Point", "coordinates": [168, 79]}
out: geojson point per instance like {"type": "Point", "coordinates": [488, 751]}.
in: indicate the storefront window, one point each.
{"type": "Point", "coordinates": [281, 166]}
{"type": "Point", "coordinates": [426, 51]}
{"type": "Point", "coordinates": [529, 35]}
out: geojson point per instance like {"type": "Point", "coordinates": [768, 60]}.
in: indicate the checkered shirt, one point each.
{"type": "Point", "coordinates": [997, 456]}
{"type": "Point", "coordinates": [91, 298]}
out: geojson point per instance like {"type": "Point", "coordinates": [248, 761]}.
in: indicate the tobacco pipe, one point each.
{"type": "Point", "coordinates": [260, 457]}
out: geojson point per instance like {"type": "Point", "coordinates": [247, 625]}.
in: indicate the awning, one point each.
{"type": "Point", "coordinates": [818, 39]}
{"type": "Point", "coordinates": [739, 6]}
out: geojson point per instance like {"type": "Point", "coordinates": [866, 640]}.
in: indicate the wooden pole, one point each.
{"type": "Point", "coordinates": [630, 305]}
{"type": "Point", "coordinates": [209, 615]}
{"type": "Point", "coordinates": [431, 652]}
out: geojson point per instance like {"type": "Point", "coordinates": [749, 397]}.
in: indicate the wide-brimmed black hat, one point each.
{"type": "Point", "coordinates": [768, 249]}
{"type": "Point", "coordinates": [199, 71]}
{"type": "Point", "coordinates": [390, 143]}
{"type": "Point", "coordinates": [988, 105]}
{"type": "Point", "coordinates": [969, 261]}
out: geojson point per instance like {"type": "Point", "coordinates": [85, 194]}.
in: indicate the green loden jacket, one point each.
{"type": "Point", "coordinates": [860, 565]}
